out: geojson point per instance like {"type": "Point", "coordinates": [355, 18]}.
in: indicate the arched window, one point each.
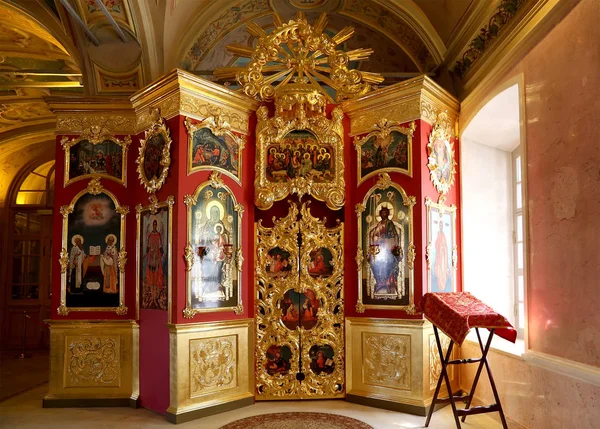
{"type": "Point", "coordinates": [38, 187]}
{"type": "Point", "coordinates": [30, 236]}
{"type": "Point", "coordinates": [494, 205]}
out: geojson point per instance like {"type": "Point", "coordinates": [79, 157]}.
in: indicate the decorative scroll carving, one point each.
{"type": "Point", "coordinates": [155, 155]}
{"type": "Point", "coordinates": [309, 54]}
{"type": "Point", "coordinates": [213, 365]}
{"type": "Point", "coordinates": [435, 365]}
{"type": "Point", "coordinates": [78, 122]}
{"type": "Point", "coordinates": [386, 360]}
{"type": "Point", "coordinates": [505, 12]}
{"type": "Point", "coordinates": [92, 361]}
{"type": "Point", "coordinates": [318, 291]}
{"type": "Point", "coordinates": [200, 109]}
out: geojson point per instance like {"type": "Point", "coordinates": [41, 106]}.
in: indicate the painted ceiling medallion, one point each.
{"type": "Point", "coordinates": [299, 52]}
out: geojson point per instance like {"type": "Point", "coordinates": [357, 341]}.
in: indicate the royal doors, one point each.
{"type": "Point", "coordinates": [299, 311]}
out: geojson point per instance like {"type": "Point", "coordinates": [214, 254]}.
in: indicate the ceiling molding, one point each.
{"type": "Point", "coordinates": [512, 45]}
{"type": "Point", "coordinates": [415, 18]}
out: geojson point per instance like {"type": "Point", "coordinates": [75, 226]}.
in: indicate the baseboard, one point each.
{"type": "Point", "coordinates": [208, 411]}
{"type": "Point", "coordinates": [391, 405]}
{"type": "Point", "coordinates": [49, 402]}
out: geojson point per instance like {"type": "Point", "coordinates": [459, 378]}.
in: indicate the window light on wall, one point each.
{"type": "Point", "coordinates": [38, 186]}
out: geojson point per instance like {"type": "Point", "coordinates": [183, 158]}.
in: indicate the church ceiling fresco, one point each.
{"type": "Point", "coordinates": [394, 55]}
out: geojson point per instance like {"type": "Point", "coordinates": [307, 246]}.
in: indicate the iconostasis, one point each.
{"type": "Point", "coordinates": [214, 249]}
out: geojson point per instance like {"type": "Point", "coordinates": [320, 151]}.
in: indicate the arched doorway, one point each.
{"type": "Point", "coordinates": [28, 258]}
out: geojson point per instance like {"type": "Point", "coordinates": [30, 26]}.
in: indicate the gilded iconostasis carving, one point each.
{"type": "Point", "coordinates": [388, 148]}
{"type": "Point", "coordinates": [386, 252]}
{"type": "Point", "coordinates": [93, 254]}
{"type": "Point", "coordinates": [213, 252]}
{"type": "Point", "coordinates": [299, 308]}
{"type": "Point", "coordinates": [300, 151]}
{"type": "Point", "coordinates": [95, 153]}
{"type": "Point", "coordinates": [212, 146]}
{"type": "Point", "coordinates": [155, 155]}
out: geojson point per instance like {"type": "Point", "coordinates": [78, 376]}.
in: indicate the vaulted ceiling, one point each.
{"type": "Point", "coordinates": [113, 48]}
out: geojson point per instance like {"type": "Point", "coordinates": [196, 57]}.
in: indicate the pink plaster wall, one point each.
{"type": "Point", "coordinates": [562, 90]}
{"type": "Point", "coordinates": [562, 78]}
{"type": "Point", "coordinates": [532, 397]}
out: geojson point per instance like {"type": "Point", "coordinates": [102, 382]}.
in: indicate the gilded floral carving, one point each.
{"type": "Point", "coordinates": [386, 360]}
{"type": "Point", "coordinates": [435, 365]}
{"type": "Point", "coordinates": [92, 361]}
{"type": "Point", "coordinates": [213, 364]}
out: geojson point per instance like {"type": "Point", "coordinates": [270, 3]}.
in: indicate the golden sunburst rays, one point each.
{"type": "Point", "coordinates": [299, 52]}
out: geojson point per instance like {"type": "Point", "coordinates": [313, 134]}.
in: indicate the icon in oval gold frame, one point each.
{"type": "Point", "coordinates": [155, 155]}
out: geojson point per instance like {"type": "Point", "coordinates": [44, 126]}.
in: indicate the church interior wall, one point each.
{"type": "Point", "coordinates": [561, 101]}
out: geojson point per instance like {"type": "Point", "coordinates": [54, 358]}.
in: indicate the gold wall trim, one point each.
{"type": "Point", "coordinates": [228, 345]}
{"type": "Point", "coordinates": [404, 379]}
{"type": "Point", "coordinates": [76, 114]}
{"type": "Point", "coordinates": [184, 93]}
{"type": "Point", "coordinates": [93, 359]}
{"type": "Point", "coordinates": [177, 93]}
{"type": "Point", "coordinates": [94, 188]}
{"type": "Point", "coordinates": [416, 98]}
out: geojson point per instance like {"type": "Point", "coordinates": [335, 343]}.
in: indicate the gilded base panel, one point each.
{"type": "Point", "coordinates": [393, 364]}
{"type": "Point", "coordinates": [211, 368]}
{"type": "Point", "coordinates": [93, 363]}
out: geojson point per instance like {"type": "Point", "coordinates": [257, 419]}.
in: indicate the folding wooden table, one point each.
{"type": "Point", "coordinates": [455, 314]}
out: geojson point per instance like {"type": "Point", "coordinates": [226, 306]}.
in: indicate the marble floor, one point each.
{"type": "Point", "coordinates": [21, 375]}
{"type": "Point", "coordinates": [25, 411]}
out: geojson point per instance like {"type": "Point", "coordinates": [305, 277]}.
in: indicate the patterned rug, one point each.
{"type": "Point", "coordinates": [297, 421]}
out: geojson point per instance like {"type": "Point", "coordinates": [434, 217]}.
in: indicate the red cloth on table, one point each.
{"type": "Point", "coordinates": [457, 312]}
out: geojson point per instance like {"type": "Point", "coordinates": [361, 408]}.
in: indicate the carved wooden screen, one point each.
{"type": "Point", "coordinates": [299, 310]}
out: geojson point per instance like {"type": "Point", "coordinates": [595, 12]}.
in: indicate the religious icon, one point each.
{"type": "Point", "coordinates": [441, 160]}
{"type": "Point", "coordinates": [278, 263]}
{"type": "Point", "coordinates": [386, 250]}
{"type": "Point", "coordinates": [322, 359]}
{"type": "Point", "coordinates": [154, 158]}
{"type": "Point", "coordinates": [299, 309]}
{"type": "Point", "coordinates": [387, 148]}
{"type": "Point", "coordinates": [95, 154]}
{"type": "Point", "coordinates": [441, 249]}
{"type": "Point", "coordinates": [214, 237]}
{"type": "Point", "coordinates": [300, 155]}
{"type": "Point", "coordinates": [278, 360]}
{"type": "Point", "coordinates": [108, 264]}
{"type": "Point", "coordinates": [154, 257]}
{"type": "Point", "coordinates": [212, 146]}
{"type": "Point", "coordinates": [93, 274]}
{"type": "Point", "coordinates": [320, 263]}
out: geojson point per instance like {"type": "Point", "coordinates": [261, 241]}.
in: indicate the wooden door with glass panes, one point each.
{"type": "Point", "coordinates": [29, 279]}
{"type": "Point", "coordinates": [299, 308]}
